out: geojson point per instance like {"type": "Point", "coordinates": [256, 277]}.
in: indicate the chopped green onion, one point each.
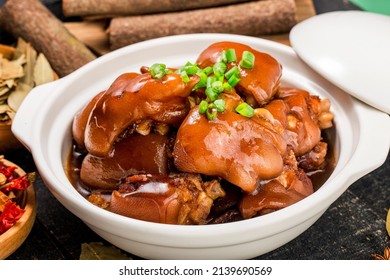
{"type": "Point", "coordinates": [184, 77]}
{"type": "Point", "coordinates": [234, 80]}
{"type": "Point", "coordinates": [227, 87]}
{"type": "Point", "coordinates": [219, 105]}
{"type": "Point", "coordinates": [208, 70]}
{"type": "Point", "coordinates": [158, 70]}
{"type": "Point", "coordinates": [248, 60]}
{"type": "Point", "coordinates": [232, 71]}
{"type": "Point", "coordinates": [211, 114]}
{"type": "Point", "coordinates": [211, 93]}
{"type": "Point", "coordinates": [203, 105]}
{"type": "Point", "coordinates": [203, 80]}
{"type": "Point", "coordinates": [219, 69]}
{"type": "Point", "coordinates": [210, 81]}
{"type": "Point", "coordinates": [217, 86]}
{"type": "Point", "coordinates": [191, 69]}
{"type": "Point", "coordinates": [229, 55]}
{"type": "Point", "coordinates": [245, 110]}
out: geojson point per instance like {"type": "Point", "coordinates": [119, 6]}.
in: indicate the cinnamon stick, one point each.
{"type": "Point", "coordinates": [32, 21]}
{"type": "Point", "coordinates": [109, 8]}
{"type": "Point", "coordinates": [253, 18]}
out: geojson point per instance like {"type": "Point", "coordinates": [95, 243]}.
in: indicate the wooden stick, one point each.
{"type": "Point", "coordinates": [32, 21]}
{"type": "Point", "coordinates": [108, 8]}
{"type": "Point", "coordinates": [92, 33]}
{"type": "Point", "coordinates": [253, 18]}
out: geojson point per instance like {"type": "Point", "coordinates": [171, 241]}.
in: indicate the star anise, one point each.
{"type": "Point", "coordinates": [386, 255]}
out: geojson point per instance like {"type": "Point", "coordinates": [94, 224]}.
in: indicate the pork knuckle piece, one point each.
{"type": "Point", "coordinates": [295, 110]}
{"type": "Point", "coordinates": [232, 147]}
{"type": "Point", "coordinates": [259, 83]}
{"type": "Point", "coordinates": [176, 199]}
{"type": "Point", "coordinates": [130, 99]}
{"type": "Point", "coordinates": [131, 155]}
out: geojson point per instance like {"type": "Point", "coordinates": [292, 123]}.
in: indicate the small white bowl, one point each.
{"type": "Point", "coordinates": [43, 124]}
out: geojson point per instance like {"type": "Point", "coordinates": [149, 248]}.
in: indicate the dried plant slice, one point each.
{"type": "Point", "coordinates": [12, 69]}
{"type": "Point", "coordinates": [31, 58]}
{"type": "Point", "coordinates": [98, 251]}
{"type": "Point", "coordinates": [10, 83]}
{"type": "Point", "coordinates": [5, 110]}
{"type": "Point", "coordinates": [43, 73]}
{"type": "Point", "coordinates": [11, 114]}
{"type": "Point", "coordinates": [20, 49]}
{"type": "Point", "coordinates": [4, 90]}
{"type": "Point", "coordinates": [17, 96]}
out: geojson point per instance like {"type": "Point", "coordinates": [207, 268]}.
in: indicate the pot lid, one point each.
{"type": "Point", "coordinates": [351, 49]}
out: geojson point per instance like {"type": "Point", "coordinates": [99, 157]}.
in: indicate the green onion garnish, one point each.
{"type": "Point", "coordinates": [211, 114]}
{"type": "Point", "coordinates": [234, 80]}
{"type": "Point", "coordinates": [211, 93]}
{"type": "Point", "coordinates": [210, 81]}
{"type": "Point", "coordinates": [158, 70]}
{"type": "Point", "coordinates": [184, 77]}
{"type": "Point", "coordinates": [233, 71]}
{"type": "Point", "coordinates": [227, 87]}
{"type": "Point", "coordinates": [219, 105]}
{"type": "Point", "coordinates": [217, 86]}
{"type": "Point", "coordinates": [219, 69]}
{"type": "Point", "coordinates": [191, 69]}
{"type": "Point", "coordinates": [229, 55]}
{"type": "Point", "coordinates": [248, 60]}
{"type": "Point", "coordinates": [208, 70]}
{"type": "Point", "coordinates": [245, 110]}
{"type": "Point", "coordinates": [203, 105]}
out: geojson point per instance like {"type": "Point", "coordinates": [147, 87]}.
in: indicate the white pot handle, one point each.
{"type": "Point", "coordinates": [374, 142]}
{"type": "Point", "coordinates": [22, 126]}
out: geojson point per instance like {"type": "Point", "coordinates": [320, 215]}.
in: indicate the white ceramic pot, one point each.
{"type": "Point", "coordinates": [43, 125]}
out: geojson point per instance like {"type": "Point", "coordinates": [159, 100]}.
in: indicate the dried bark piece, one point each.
{"type": "Point", "coordinates": [31, 58]}
{"type": "Point", "coordinates": [253, 18]}
{"type": "Point", "coordinates": [32, 21]}
{"type": "Point", "coordinates": [135, 7]}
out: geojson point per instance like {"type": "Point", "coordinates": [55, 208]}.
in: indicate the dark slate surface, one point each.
{"type": "Point", "coordinates": [353, 227]}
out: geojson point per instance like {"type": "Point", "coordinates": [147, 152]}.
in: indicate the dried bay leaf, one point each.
{"type": "Point", "coordinates": [6, 113]}
{"type": "Point", "coordinates": [21, 47]}
{"type": "Point", "coordinates": [31, 58]}
{"type": "Point", "coordinates": [3, 90]}
{"type": "Point", "coordinates": [17, 96]}
{"type": "Point", "coordinates": [4, 108]}
{"type": "Point", "coordinates": [43, 73]}
{"type": "Point", "coordinates": [12, 69]}
{"type": "Point", "coordinates": [98, 251]}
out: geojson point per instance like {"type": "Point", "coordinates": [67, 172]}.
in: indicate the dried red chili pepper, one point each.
{"type": "Point", "coordinates": [10, 212]}
{"type": "Point", "coordinates": [20, 183]}
{"type": "Point", "coordinates": [10, 215]}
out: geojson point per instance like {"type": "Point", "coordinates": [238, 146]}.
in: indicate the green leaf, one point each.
{"type": "Point", "coordinates": [99, 251]}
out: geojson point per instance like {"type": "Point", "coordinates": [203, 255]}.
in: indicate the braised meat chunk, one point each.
{"type": "Point", "coordinates": [130, 100]}
{"type": "Point", "coordinates": [233, 147]}
{"type": "Point", "coordinates": [258, 84]}
{"type": "Point", "coordinates": [177, 199]}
